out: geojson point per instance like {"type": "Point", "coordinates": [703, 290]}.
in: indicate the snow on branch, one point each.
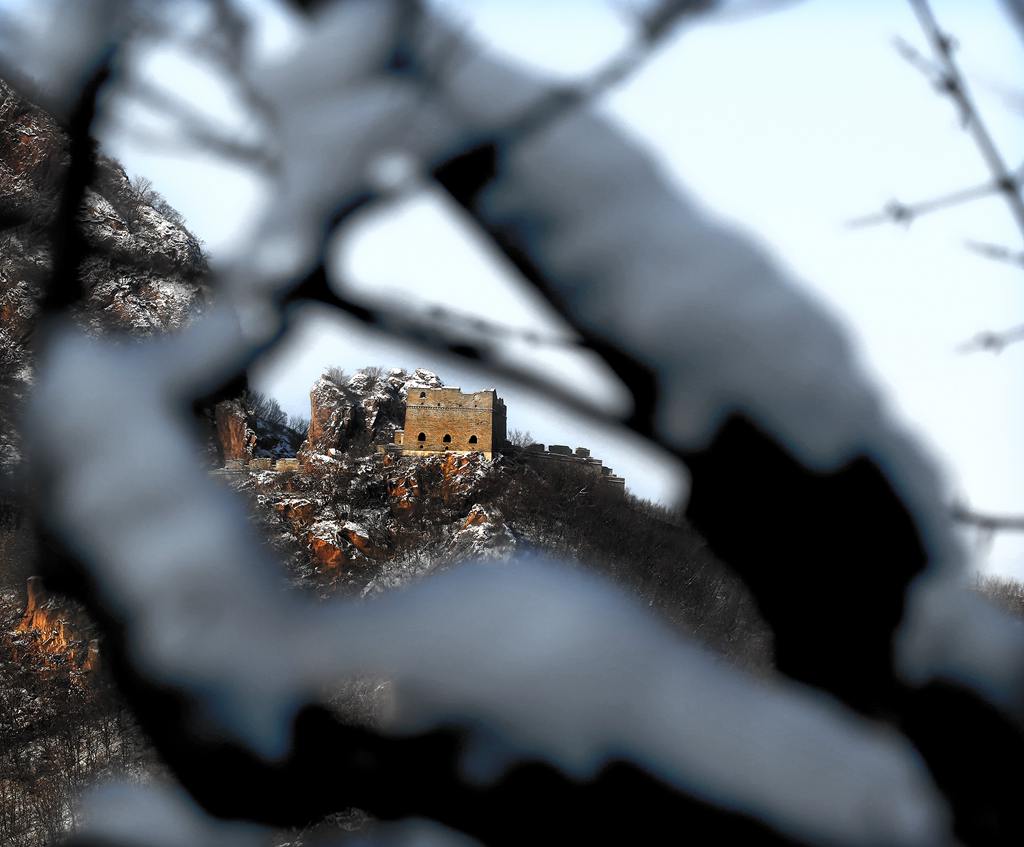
{"type": "Point", "coordinates": [527, 685]}
{"type": "Point", "coordinates": [201, 615]}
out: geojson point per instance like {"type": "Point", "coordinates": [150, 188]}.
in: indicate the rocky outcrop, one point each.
{"type": "Point", "coordinates": [360, 410]}
{"type": "Point", "coordinates": [459, 473]}
{"type": "Point", "coordinates": [58, 627]}
{"type": "Point", "coordinates": [477, 517]}
{"type": "Point", "coordinates": [234, 435]}
{"type": "Point", "coordinates": [143, 273]}
{"type": "Point", "coordinates": [354, 518]}
{"type": "Point", "coordinates": [298, 512]}
{"type": "Point", "coordinates": [357, 522]}
{"type": "Point", "coordinates": [335, 543]}
{"type": "Point", "coordinates": [359, 537]}
{"type": "Point", "coordinates": [404, 489]}
{"type": "Point", "coordinates": [449, 478]}
{"type": "Point", "coordinates": [332, 417]}
{"type": "Point", "coordinates": [326, 551]}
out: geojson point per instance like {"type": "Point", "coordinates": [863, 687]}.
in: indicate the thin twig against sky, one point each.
{"type": "Point", "coordinates": [955, 87]}
{"type": "Point", "coordinates": [994, 342]}
{"type": "Point", "coordinates": [899, 212]}
{"type": "Point", "coordinates": [989, 523]}
{"type": "Point", "coordinates": [997, 252]}
{"type": "Point", "coordinates": [945, 75]}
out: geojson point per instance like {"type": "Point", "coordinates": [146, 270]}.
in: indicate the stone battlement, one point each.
{"type": "Point", "coordinates": [447, 420]}
{"type": "Point", "coordinates": [580, 457]}
{"type": "Point", "coordinates": [263, 464]}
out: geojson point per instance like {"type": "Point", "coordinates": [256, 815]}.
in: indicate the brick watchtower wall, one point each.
{"type": "Point", "coordinates": [439, 420]}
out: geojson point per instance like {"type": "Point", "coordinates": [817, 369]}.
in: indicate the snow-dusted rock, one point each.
{"type": "Point", "coordinates": [331, 417]}
{"type": "Point", "coordinates": [366, 408]}
{"type": "Point", "coordinates": [143, 273]}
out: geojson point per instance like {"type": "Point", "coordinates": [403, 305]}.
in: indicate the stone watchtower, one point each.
{"type": "Point", "coordinates": [440, 420]}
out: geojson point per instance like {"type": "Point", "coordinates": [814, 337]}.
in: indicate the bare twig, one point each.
{"type": "Point", "coordinates": [913, 57]}
{"type": "Point", "coordinates": [954, 86]}
{"type": "Point", "coordinates": [224, 46]}
{"type": "Point", "coordinates": [989, 523]}
{"type": "Point", "coordinates": [493, 329]}
{"type": "Point", "coordinates": [197, 138]}
{"type": "Point", "coordinates": [994, 342]}
{"type": "Point", "coordinates": [431, 335]}
{"type": "Point", "coordinates": [997, 252]}
{"type": "Point", "coordinates": [945, 75]}
{"type": "Point", "coordinates": [652, 28]}
{"type": "Point", "coordinates": [904, 213]}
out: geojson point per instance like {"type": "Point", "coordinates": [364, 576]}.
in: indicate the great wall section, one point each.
{"type": "Point", "coordinates": [436, 420]}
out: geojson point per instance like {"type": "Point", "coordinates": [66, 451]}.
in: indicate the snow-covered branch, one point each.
{"type": "Point", "coordinates": [525, 685]}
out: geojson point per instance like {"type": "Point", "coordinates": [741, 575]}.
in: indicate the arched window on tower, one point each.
{"type": "Point", "coordinates": [472, 439]}
{"type": "Point", "coordinates": [421, 437]}
{"type": "Point", "coordinates": [423, 394]}
{"type": "Point", "coordinates": [447, 438]}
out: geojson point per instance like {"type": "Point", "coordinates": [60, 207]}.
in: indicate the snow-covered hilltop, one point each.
{"type": "Point", "coordinates": [352, 514]}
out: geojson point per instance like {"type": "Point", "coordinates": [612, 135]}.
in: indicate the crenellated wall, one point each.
{"type": "Point", "coordinates": [580, 457]}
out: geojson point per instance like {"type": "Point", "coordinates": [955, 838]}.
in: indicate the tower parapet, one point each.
{"type": "Point", "coordinates": [444, 420]}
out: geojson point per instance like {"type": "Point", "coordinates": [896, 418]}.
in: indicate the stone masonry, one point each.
{"type": "Point", "coordinates": [441, 420]}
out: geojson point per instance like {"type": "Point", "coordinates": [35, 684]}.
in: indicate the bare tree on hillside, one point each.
{"type": "Point", "coordinates": [520, 438]}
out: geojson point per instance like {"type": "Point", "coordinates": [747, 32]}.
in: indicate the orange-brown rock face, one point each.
{"type": "Point", "coordinates": [476, 517]}
{"type": "Point", "coordinates": [56, 626]}
{"type": "Point", "coordinates": [404, 491]}
{"type": "Point", "coordinates": [39, 617]}
{"type": "Point", "coordinates": [454, 472]}
{"type": "Point", "coordinates": [298, 513]}
{"type": "Point", "coordinates": [361, 541]}
{"type": "Point", "coordinates": [328, 554]}
{"type": "Point", "coordinates": [458, 472]}
{"type": "Point", "coordinates": [331, 418]}
{"type": "Point", "coordinates": [234, 436]}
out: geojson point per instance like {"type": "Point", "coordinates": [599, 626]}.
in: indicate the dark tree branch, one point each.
{"type": "Point", "coordinates": [69, 248]}
{"type": "Point", "coordinates": [1015, 9]}
{"type": "Point", "coordinates": [194, 127]}
{"type": "Point", "coordinates": [744, 473]}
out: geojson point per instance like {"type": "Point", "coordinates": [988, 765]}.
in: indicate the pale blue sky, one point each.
{"type": "Point", "coordinates": [786, 124]}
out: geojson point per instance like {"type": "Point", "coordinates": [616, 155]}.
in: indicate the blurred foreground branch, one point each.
{"type": "Point", "coordinates": [994, 342]}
